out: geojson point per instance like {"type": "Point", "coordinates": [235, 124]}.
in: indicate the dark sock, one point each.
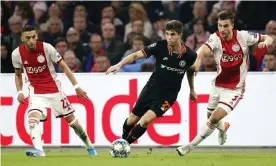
{"type": "Point", "coordinates": [137, 132]}
{"type": "Point", "coordinates": [126, 129]}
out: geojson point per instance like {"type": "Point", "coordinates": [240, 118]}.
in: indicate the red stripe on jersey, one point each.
{"type": "Point", "coordinates": [36, 67]}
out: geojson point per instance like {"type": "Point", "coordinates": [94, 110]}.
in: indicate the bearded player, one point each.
{"type": "Point", "coordinates": [36, 59]}
{"type": "Point", "coordinates": [231, 53]}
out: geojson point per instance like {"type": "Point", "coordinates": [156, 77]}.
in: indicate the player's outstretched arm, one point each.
{"type": "Point", "coordinates": [19, 85]}
{"type": "Point", "coordinates": [127, 60]}
{"type": "Point", "coordinates": [265, 41]}
{"type": "Point", "coordinates": [73, 80]}
{"type": "Point", "coordinates": [203, 50]}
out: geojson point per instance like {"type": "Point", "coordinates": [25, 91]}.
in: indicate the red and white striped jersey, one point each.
{"type": "Point", "coordinates": [38, 67]}
{"type": "Point", "coordinates": [232, 57]}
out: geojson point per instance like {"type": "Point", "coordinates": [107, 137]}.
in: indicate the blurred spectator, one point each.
{"type": "Point", "coordinates": [24, 10]}
{"type": "Point", "coordinates": [67, 13]}
{"type": "Point", "coordinates": [14, 38]}
{"type": "Point", "coordinates": [54, 11]}
{"type": "Point", "coordinates": [109, 12]}
{"type": "Point", "coordinates": [270, 28]}
{"type": "Point", "coordinates": [152, 9]}
{"type": "Point", "coordinates": [54, 30]}
{"type": "Point", "coordinates": [147, 67]}
{"type": "Point", "coordinates": [137, 12]}
{"type": "Point", "coordinates": [73, 39]}
{"type": "Point", "coordinates": [121, 9]}
{"type": "Point", "coordinates": [71, 60]}
{"type": "Point", "coordinates": [7, 8]}
{"type": "Point", "coordinates": [80, 24]}
{"type": "Point", "coordinates": [137, 28]}
{"type": "Point", "coordinates": [212, 19]}
{"type": "Point", "coordinates": [137, 44]}
{"type": "Point", "coordinates": [159, 27]}
{"type": "Point", "coordinates": [199, 12]}
{"type": "Point", "coordinates": [200, 35]}
{"type": "Point", "coordinates": [171, 9]}
{"type": "Point", "coordinates": [6, 62]}
{"type": "Point", "coordinates": [208, 63]}
{"type": "Point", "coordinates": [113, 46]}
{"type": "Point", "coordinates": [269, 62]}
{"type": "Point", "coordinates": [40, 9]}
{"type": "Point", "coordinates": [96, 45]}
{"type": "Point", "coordinates": [102, 63]}
{"type": "Point", "coordinates": [61, 45]}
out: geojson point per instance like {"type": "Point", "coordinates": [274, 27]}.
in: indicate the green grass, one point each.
{"type": "Point", "coordinates": [142, 159]}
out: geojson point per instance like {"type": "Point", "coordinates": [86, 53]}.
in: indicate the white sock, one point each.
{"type": "Point", "coordinates": [205, 131]}
{"type": "Point", "coordinates": [35, 133]}
{"type": "Point", "coordinates": [81, 133]}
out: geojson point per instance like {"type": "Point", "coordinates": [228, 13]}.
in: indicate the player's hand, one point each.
{"type": "Point", "coordinates": [113, 69]}
{"type": "Point", "coordinates": [262, 45]}
{"type": "Point", "coordinates": [196, 66]}
{"type": "Point", "coordinates": [193, 96]}
{"type": "Point", "coordinates": [82, 94]}
{"type": "Point", "coordinates": [21, 98]}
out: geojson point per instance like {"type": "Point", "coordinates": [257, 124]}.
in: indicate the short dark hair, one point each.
{"type": "Point", "coordinates": [225, 15]}
{"type": "Point", "coordinates": [28, 28]}
{"type": "Point", "coordinates": [60, 39]}
{"type": "Point", "coordinates": [174, 25]}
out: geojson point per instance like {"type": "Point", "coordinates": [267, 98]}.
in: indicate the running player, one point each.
{"type": "Point", "coordinates": [36, 58]}
{"type": "Point", "coordinates": [173, 59]}
{"type": "Point", "coordinates": [231, 53]}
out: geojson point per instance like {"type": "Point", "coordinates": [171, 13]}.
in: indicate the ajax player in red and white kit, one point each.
{"type": "Point", "coordinates": [231, 53]}
{"type": "Point", "coordinates": [36, 58]}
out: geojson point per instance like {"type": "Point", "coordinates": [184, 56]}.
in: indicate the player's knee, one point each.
{"type": "Point", "coordinates": [69, 118]}
{"type": "Point", "coordinates": [145, 122]}
{"type": "Point", "coordinates": [132, 119]}
{"type": "Point", "coordinates": [217, 115]}
{"type": "Point", "coordinates": [34, 115]}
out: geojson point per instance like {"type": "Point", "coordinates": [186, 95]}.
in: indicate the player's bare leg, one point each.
{"type": "Point", "coordinates": [205, 131]}
{"type": "Point", "coordinates": [34, 119]}
{"type": "Point", "coordinates": [221, 126]}
{"type": "Point", "coordinates": [77, 127]}
{"type": "Point", "coordinates": [141, 128]}
{"type": "Point", "coordinates": [129, 124]}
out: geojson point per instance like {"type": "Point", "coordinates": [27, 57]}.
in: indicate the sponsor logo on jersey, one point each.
{"type": "Point", "coordinates": [165, 58]}
{"type": "Point", "coordinates": [230, 58]}
{"type": "Point", "coordinates": [236, 47]}
{"type": "Point", "coordinates": [40, 58]}
{"type": "Point", "coordinates": [152, 45]}
{"type": "Point", "coordinates": [38, 69]}
{"type": "Point", "coordinates": [179, 71]}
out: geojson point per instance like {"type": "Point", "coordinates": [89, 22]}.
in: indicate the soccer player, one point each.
{"type": "Point", "coordinates": [231, 53]}
{"type": "Point", "coordinates": [36, 58]}
{"type": "Point", "coordinates": [173, 59]}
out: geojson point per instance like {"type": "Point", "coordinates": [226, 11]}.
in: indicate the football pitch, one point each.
{"type": "Point", "coordinates": [141, 157]}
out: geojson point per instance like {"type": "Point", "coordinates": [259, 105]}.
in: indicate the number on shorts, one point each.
{"type": "Point", "coordinates": [165, 106]}
{"type": "Point", "coordinates": [65, 103]}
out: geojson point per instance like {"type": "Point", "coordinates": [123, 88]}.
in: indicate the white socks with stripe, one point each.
{"type": "Point", "coordinates": [205, 131]}
{"type": "Point", "coordinates": [81, 133]}
{"type": "Point", "coordinates": [35, 133]}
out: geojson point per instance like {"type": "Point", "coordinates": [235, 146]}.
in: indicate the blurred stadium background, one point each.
{"type": "Point", "coordinates": [93, 35]}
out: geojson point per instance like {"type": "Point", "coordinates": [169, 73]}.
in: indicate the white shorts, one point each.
{"type": "Point", "coordinates": [58, 103]}
{"type": "Point", "coordinates": [224, 98]}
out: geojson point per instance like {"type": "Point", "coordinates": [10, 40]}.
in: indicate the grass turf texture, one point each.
{"type": "Point", "coordinates": [140, 158]}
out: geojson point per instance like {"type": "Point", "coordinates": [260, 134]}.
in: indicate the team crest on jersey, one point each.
{"type": "Point", "coordinates": [182, 63]}
{"type": "Point", "coordinates": [236, 47]}
{"type": "Point", "coordinates": [40, 58]}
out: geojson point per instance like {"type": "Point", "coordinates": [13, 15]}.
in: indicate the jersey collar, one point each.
{"type": "Point", "coordinates": [181, 50]}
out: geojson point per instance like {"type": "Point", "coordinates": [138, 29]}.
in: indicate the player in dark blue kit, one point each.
{"type": "Point", "coordinates": [173, 59]}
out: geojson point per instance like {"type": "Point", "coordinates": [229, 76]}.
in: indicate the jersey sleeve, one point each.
{"type": "Point", "coordinates": [251, 38]}
{"type": "Point", "coordinates": [212, 42]}
{"type": "Point", "coordinates": [16, 60]}
{"type": "Point", "coordinates": [52, 53]}
{"type": "Point", "coordinates": [150, 50]}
